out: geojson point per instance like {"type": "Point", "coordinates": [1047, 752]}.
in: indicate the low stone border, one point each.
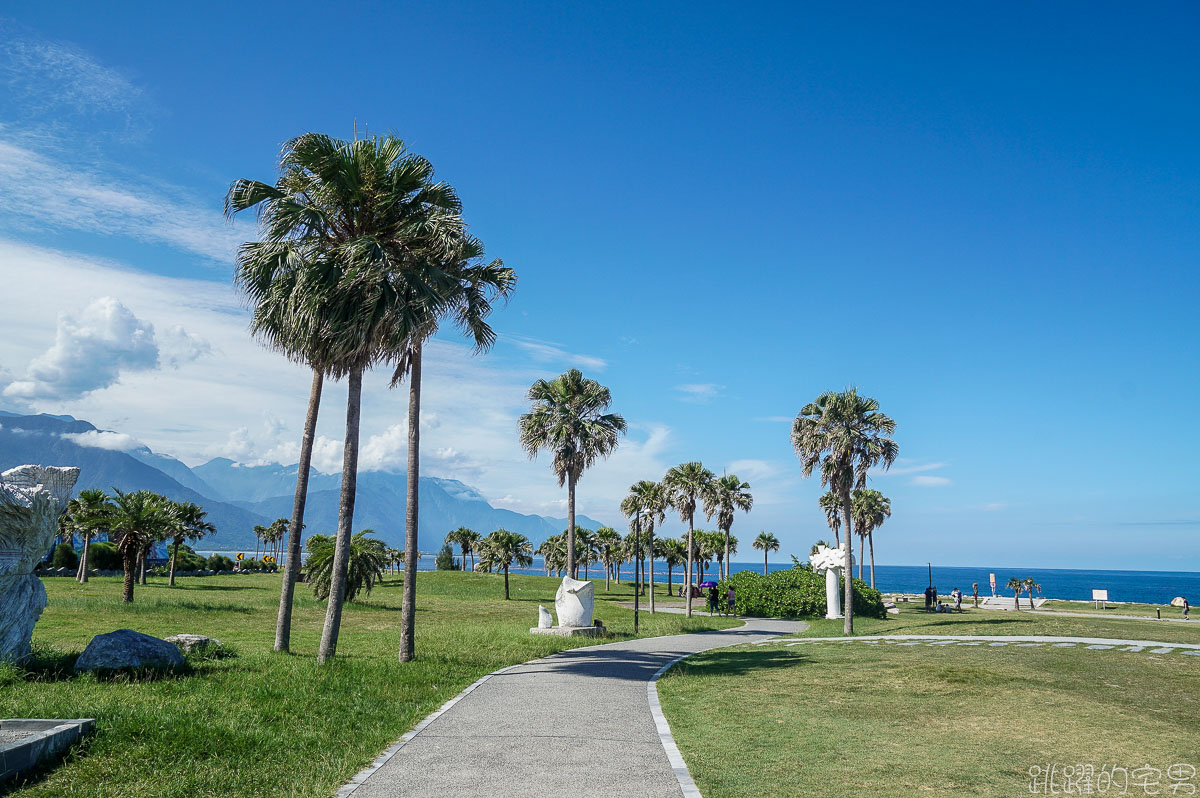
{"type": "Point", "coordinates": [37, 741]}
{"type": "Point", "coordinates": [678, 766]}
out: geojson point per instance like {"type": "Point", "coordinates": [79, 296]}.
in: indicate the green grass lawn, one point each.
{"type": "Point", "coordinates": [265, 724]}
{"type": "Point", "coordinates": [914, 621]}
{"type": "Point", "coordinates": [1145, 610]}
{"type": "Point", "coordinates": [859, 720]}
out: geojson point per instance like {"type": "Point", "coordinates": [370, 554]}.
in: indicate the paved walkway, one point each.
{"type": "Point", "coordinates": [576, 724]}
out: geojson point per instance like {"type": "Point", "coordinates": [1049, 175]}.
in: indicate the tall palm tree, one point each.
{"type": "Point", "coordinates": [671, 551]}
{"type": "Point", "coordinates": [190, 523]}
{"type": "Point", "coordinates": [766, 543]}
{"type": "Point", "coordinates": [647, 502]}
{"type": "Point", "coordinates": [349, 223]}
{"type": "Point", "coordinates": [87, 515]}
{"type": "Point", "coordinates": [846, 435]}
{"type": "Point", "coordinates": [465, 539]}
{"type": "Point", "coordinates": [608, 543]}
{"type": "Point", "coordinates": [136, 520]}
{"type": "Point", "coordinates": [568, 418]}
{"type": "Point", "coordinates": [831, 503]}
{"type": "Point", "coordinates": [508, 548]}
{"type": "Point", "coordinates": [685, 485]}
{"type": "Point", "coordinates": [870, 509]}
{"type": "Point", "coordinates": [1030, 585]}
{"type": "Point", "coordinates": [727, 495]}
{"type": "Point", "coordinates": [465, 288]}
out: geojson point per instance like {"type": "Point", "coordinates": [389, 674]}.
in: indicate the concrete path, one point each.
{"type": "Point", "coordinates": [575, 724]}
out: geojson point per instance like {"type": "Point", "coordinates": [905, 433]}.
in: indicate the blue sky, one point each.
{"type": "Point", "coordinates": [983, 216]}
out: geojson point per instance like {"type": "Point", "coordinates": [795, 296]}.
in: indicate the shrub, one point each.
{"type": "Point", "coordinates": [104, 557]}
{"type": "Point", "coordinates": [445, 559]}
{"type": "Point", "coordinates": [187, 559]}
{"type": "Point", "coordinates": [218, 562]}
{"type": "Point", "coordinates": [65, 556]}
{"type": "Point", "coordinates": [794, 593]}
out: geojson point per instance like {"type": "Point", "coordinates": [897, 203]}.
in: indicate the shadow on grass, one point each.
{"type": "Point", "coordinates": [739, 661]}
{"type": "Point", "coordinates": [180, 584]}
{"type": "Point", "coordinates": [37, 774]}
{"type": "Point", "coordinates": [987, 622]}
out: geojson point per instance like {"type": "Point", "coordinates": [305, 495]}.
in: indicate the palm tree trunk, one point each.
{"type": "Point", "coordinates": [142, 566]}
{"type": "Point", "coordinates": [174, 557]}
{"type": "Point", "coordinates": [650, 579]}
{"type": "Point", "coordinates": [871, 546]}
{"type": "Point", "coordinates": [764, 562]}
{"type": "Point", "coordinates": [341, 549]}
{"type": "Point", "coordinates": [283, 623]}
{"type": "Point", "coordinates": [130, 563]}
{"type": "Point", "coordinates": [408, 609]}
{"type": "Point", "coordinates": [862, 541]}
{"type": "Point", "coordinates": [687, 582]}
{"type": "Point", "coordinates": [847, 550]}
{"type": "Point", "coordinates": [83, 559]}
{"type": "Point", "coordinates": [726, 561]}
{"type": "Point", "coordinates": [506, 582]}
{"type": "Point", "coordinates": [607, 574]}
{"type": "Point", "coordinates": [571, 568]}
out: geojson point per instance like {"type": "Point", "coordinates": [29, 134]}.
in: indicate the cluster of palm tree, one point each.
{"type": "Point", "coordinates": [1026, 585]}
{"type": "Point", "coordinates": [845, 435]}
{"type": "Point", "coordinates": [367, 558]}
{"type": "Point", "coordinates": [869, 508]}
{"type": "Point", "coordinates": [271, 538]}
{"type": "Point", "coordinates": [134, 522]}
{"type": "Point", "coordinates": [362, 257]}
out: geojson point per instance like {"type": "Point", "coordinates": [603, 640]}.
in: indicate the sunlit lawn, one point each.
{"type": "Point", "coordinates": [1144, 610]}
{"type": "Point", "coordinates": [265, 724]}
{"type": "Point", "coordinates": [857, 719]}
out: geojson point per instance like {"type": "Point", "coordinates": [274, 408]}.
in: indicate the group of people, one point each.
{"type": "Point", "coordinates": [714, 599]}
{"type": "Point", "coordinates": [933, 604]}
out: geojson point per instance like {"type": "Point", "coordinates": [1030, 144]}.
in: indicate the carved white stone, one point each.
{"type": "Point", "coordinates": [545, 619]}
{"type": "Point", "coordinates": [31, 498]}
{"type": "Point", "coordinates": [831, 561]}
{"type": "Point", "coordinates": [573, 602]}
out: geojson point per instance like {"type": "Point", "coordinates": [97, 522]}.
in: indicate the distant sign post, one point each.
{"type": "Point", "coordinates": [1100, 597]}
{"type": "Point", "coordinates": [992, 579]}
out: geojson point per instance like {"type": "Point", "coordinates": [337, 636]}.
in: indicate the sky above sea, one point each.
{"type": "Point", "coordinates": [982, 216]}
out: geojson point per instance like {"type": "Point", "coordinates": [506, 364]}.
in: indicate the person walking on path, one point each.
{"type": "Point", "coordinates": [729, 599]}
{"type": "Point", "coordinates": [712, 600]}
{"type": "Point", "coordinates": [1186, 608]}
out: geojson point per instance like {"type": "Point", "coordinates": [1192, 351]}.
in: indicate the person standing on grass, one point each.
{"type": "Point", "coordinates": [957, 599]}
{"type": "Point", "coordinates": [712, 600]}
{"type": "Point", "coordinates": [1186, 608]}
{"type": "Point", "coordinates": [729, 599]}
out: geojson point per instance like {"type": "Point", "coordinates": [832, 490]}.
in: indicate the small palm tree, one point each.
{"type": "Point", "coordinates": [870, 509]}
{"type": "Point", "coordinates": [585, 546]}
{"type": "Point", "coordinates": [845, 435]}
{"type": "Point", "coordinates": [685, 485]}
{"type": "Point", "coordinates": [728, 494]}
{"type": "Point", "coordinates": [189, 524]}
{"type": "Point", "coordinates": [831, 503]}
{"type": "Point", "coordinates": [608, 542]}
{"type": "Point", "coordinates": [1031, 586]}
{"type": "Point", "coordinates": [87, 515]}
{"type": "Point", "coordinates": [465, 539]}
{"type": "Point", "coordinates": [647, 504]}
{"type": "Point", "coordinates": [553, 552]}
{"type": "Point", "coordinates": [368, 558]}
{"type": "Point", "coordinates": [508, 548]}
{"type": "Point", "coordinates": [672, 553]}
{"type": "Point", "coordinates": [137, 519]}
{"type": "Point", "coordinates": [1016, 586]}
{"type": "Point", "coordinates": [766, 543]}
{"type": "Point", "coordinates": [568, 418]}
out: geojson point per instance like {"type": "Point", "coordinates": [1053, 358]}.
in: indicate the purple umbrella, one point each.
{"type": "Point", "coordinates": [708, 583]}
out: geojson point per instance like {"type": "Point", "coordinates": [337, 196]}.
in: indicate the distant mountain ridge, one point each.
{"type": "Point", "coordinates": [238, 497]}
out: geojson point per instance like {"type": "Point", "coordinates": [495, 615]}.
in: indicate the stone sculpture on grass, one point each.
{"type": "Point", "coordinates": [831, 561]}
{"type": "Point", "coordinates": [31, 499]}
{"type": "Point", "coordinates": [573, 602]}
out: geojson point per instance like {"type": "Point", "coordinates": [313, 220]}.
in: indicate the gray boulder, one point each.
{"type": "Point", "coordinates": [126, 648]}
{"type": "Point", "coordinates": [188, 643]}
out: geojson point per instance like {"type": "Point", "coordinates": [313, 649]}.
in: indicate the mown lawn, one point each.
{"type": "Point", "coordinates": [913, 621]}
{"type": "Point", "coordinates": [265, 724]}
{"type": "Point", "coordinates": [855, 719]}
{"type": "Point", "coordinates": [1144, 610]}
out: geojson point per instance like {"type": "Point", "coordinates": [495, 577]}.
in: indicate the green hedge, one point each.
{"type": "Point", "coordinates": [103, 556]}
{"type": "Point", "coordinates": [794, 593]}
{"type": "Point", "coordinates": [64, 556]}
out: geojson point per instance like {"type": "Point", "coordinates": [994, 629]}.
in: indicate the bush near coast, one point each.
{"type": "Point", "coordinates": [794, 593]}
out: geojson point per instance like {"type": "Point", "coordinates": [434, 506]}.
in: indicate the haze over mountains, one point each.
{"type": "Point", "coordinates": [237, 497]}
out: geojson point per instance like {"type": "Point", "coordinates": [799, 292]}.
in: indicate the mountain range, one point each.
{"type": "Point", "coordinates": [238, 497]}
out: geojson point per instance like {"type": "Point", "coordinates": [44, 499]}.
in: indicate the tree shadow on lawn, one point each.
{"type": "Point", "coordinates": [48, 665]}
{"type": "Point", "coordinates": [1002, 622]}
{"type": "Point", "coordinates": [181, 585]}
{"type": "Point", "coordinates": [735, 662]}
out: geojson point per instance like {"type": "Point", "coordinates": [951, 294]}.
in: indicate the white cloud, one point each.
{"type": "Point", "coordinates": [750, 470]}
{"type": "Point", "coordinates": [547, 352]}
{"type": "Point", "coordinates": [903, 466]}
{"type": "Point", "coordinates": [91, 349]}
{"type": "Point", "coordinates": [993, 507]}
{"type": "Point", "coordinates": [42, 192]}
{"type": "Point", "coordinates": [177, 346]}
{"type": "Point", "coordinates": [776, 419]}
{"type": "Point", "coordinates": [925, 481]}
{"type": "Point", "coordinates": [386, 451]}
{"type": "Point", "coordinates": [47, 75]}
{"type": "Point", "coordinates": [699, 391]}
{"type": "Point", "coordinates": [104, 439]}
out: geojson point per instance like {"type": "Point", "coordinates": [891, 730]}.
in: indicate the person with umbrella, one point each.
{"type": "Point", "coordinates": [712, 596]}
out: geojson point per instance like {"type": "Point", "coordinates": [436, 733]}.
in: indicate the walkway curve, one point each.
{"type": "Point", "coordinates": [577, 723]}
{"type": "Point", "coordinates": [1154, 646]}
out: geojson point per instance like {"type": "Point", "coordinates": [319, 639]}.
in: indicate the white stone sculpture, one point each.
{"type": "Point", "coordinates": [31, 499]}
{"type": "Point", "coordinates": [545, 619]}
{"type": "Point", "coordinates": [573, 602]}
{"type": "Point", "coordinates": [831, 561]}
